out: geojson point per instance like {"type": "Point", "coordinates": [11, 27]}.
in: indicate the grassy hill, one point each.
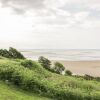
{"type": "Point", "coordinates": [13, 93]}
{"type": "Point", "coordinates": [36, 79]}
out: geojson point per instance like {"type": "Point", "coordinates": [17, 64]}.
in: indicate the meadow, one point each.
{"type": "Point", "coordinates": [36, 79]}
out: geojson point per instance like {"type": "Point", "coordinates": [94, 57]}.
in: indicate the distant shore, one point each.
{"type": "Point", "coordinates": [83, 67]}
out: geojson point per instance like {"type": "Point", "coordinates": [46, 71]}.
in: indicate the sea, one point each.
{"type": "Point", "coordinates": [63, 54]}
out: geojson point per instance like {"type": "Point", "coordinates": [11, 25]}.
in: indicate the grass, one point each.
{"type": "Point", "coordinates": [14, 93]}
{"type": "Point", "coordinates": [37, 79]}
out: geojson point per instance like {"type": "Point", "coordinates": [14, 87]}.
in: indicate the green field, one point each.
{"type": "Point", "coordinates": [13, 93]}
{"type": "Point", "coordinates": [38, 80]}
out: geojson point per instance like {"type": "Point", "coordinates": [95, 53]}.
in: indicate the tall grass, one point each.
{"type": "Point", "coordinates": [37, 79]}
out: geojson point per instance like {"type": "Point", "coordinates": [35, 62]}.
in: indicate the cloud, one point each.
{"type": "Point", "coordinates": [52, 4]}
{"type": "Point", "coordinates": [65, 23]}
{"type": "Point", "coordinates": [21, 6]}
{"type": "Point", "coordinates": [56, 12]}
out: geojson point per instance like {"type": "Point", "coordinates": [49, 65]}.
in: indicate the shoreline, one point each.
{"type": "Point", "coordinates": [90, 67]}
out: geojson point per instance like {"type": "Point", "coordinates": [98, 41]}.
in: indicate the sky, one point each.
{"type": "Point", "coordinates": [50, 24]}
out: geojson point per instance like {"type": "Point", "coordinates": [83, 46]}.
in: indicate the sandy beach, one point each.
{"type": "Point", "coordinates": [83, 67]}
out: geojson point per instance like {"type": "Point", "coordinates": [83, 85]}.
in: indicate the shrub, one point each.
{"type": "Point", "coordinates": [16, 78]}
{"type": "Point", "coordinates": [58, 67]}
{"type": "Point", "coordinates": [44, 62]}
{"type": "Point", "coordinates": [27, 63]}
{"type": "Point", "coordinates": [88, 77]}
{"type": "Point", "coordinates": [68, 72]}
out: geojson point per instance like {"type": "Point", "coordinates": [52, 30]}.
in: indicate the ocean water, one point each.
{"type": "Point", "coordinates": [69, 55]}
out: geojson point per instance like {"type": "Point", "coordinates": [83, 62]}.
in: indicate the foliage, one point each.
{"type": "Point", "coordinates": [15, 53]}
{"type": "Point", "coordinates": [44, 62]}
{"type": "Point", "coordinates": [48, 84]}
{"type": "Point", "coordinates": [58, 67]}
{"type": "Point", "coordinates": [68, 72]}
{"type": "Point", "coordinates": [5, 53]}
{"type": "Point", "coordinates": [88, 77]}
{"type": "Point", "coordinates": [12, 53]}
{"type": "Point", "coordinates": [27, 63]}
{"type": "Point", "coordinates": [14, 93]}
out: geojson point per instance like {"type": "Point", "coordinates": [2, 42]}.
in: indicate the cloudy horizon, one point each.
{"type": "Point", "coordinates": [50, 24]}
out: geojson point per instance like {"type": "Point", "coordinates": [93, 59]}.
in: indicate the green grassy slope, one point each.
{"type": "Point", "coordinates": [41, 81]}
{"type": "Point", "coordinates": [13, 93]}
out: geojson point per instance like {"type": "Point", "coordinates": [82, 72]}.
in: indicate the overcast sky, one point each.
{"type": "Point", "coordinates": [50, 24]}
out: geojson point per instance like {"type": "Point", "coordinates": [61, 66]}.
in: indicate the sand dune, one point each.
{"type": "Point", "coordinates": [83, 67]}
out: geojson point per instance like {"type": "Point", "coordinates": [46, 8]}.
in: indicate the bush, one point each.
{"type": "Point", "coordinates": [27, 63]}
{"type": "Point", "coordinates": [44, 62]}
{"type": "Point", "coordinates": [16, 78]}
{"type": "Point", "coordinates": [88, 77]}
{"type": "Point", "coordinates": [58, 67]}
{"type": "Point", "coordinates": [68, 72]}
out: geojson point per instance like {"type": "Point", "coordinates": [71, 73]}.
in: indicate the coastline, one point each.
{"type": "Point", "coordinates": [91, 67]}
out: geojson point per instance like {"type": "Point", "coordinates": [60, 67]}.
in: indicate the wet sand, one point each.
{"type": "Point", "coordinates": [83, 67]}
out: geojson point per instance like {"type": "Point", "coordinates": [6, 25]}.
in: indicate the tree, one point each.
{"type": "Point", "coordinates": [5, 53]}
{"type": "Point", "coordinates": [11, 53]}
{"type": "Point", "coordinates": [58, 67]}
{"type": "Point", "coordinates": [15, 54]}
{"type": "Point", "coordinates": [44, 62]}
{"type": "Point", "coordinates": [68, 72]}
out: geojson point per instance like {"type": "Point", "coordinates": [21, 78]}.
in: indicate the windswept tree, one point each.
{"type": "Point", "coordinates": [5, 53]}
{"type": "Point", "coordinates": [11, 53]}
{"type": "Point", "coordinates": [15, 53]}
{"type": "Point", "coordinates": [44, 62]}
{"type": "Point", "coordinates": [58, 67]}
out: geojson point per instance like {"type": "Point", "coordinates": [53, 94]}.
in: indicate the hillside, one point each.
{"type": "Point", "coordinates": [13, 93]}
{"type": "Point", "coordinates": [36, 79]}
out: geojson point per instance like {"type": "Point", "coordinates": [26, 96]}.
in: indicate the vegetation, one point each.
{"type": "Point", "coordinates": [68, 72]}
{"type": "Point", "coordinates": [10, 92]}
{"type": "Point", "coordinates": [44, 62]}
{"type": "Point", "coordinates": [12, 53]}
{"type": "Point", "coordinates": [88, 77]}
{"type": "Point", "coordinates": [15, 53]}
{"type": "Point", "coordinates": [41, 81]}
{"type": "Point", "coordinates": [58, 67]}
{"type": "Point", "coordinates": [33, 77]}
{"type": "Point", "coordinates": [27, 63]}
